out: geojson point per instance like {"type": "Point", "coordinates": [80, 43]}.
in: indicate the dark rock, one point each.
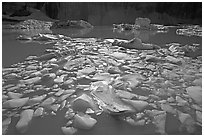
{"type": "Point", "coordinates": [33, 24]}
{"type": "Point", "coordinates": [71, 24]}
{"type": "Point", "coordinates": [21, 12]}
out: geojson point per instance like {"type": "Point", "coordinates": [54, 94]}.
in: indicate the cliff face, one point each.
{"type": "Point", "coordinates": [103, 13]}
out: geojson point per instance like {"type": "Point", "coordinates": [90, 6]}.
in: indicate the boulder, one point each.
{"type": "Point", "coordinates": [32, 24]}
{"type": "Point", "coordinates": [71, 24]}
{"type": "Point", "coordinates": [25, 118]}
{"type": "Point", "coordinates": [143, 23]}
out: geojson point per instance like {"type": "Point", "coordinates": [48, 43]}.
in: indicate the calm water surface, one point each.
{"type": "Point", "coordinates": [14, 51]}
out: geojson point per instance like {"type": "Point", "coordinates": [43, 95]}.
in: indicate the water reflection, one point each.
{"type": "Point", "coordinates": [71, 32]}
{"type": "Point", "coordinates": [31, 32]}
{"type": "Point", "coordinates": [144, 35]}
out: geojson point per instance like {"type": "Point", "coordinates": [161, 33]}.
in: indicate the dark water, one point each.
{"type": "Point", "coordinates": [14, 51]}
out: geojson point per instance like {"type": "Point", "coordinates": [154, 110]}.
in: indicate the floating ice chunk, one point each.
{"type": "Point", "coordinates": [63, 104]}
{"type": "Point", "coordinates": [32, 67]}
{"type": "Point", "coordinates": [154, 112]}
{"type": "Point", "coordinates": [86, 71]}
{"type": "Point", "coordinates": [195, 93]}
{"type": "Point", "coordinates": [37, 99]}
{"type": "Point", "coordinates": [120, 55]}
{"type": "Point", "coordinates": [25, 118]}
{"type": "Point", "coordinates": [181, 101]}
{"type": "Point", "coordinates": [160, 122]}
{"type": "Point", "coordinates": [68, 130]}
{"type": "Point", "coordinates": [125, 94]}
{"type": "Point", "coordinates": [30, 81]}
{"type": "Point", "coordinates": [59, 93]}
{"type": "Point", "coordinates": [14, 103]}
{"type": "Point", "coordinates": [38, 112]}
{"type": "Point", "coordinates": [198, 82]}
{"type": "Point", "coordinates": [187, 121]}
{"type": "Point", "coordinates": [133, 79]}
{"type": "Point", "coordinates": [48, 101]}
{"type": "Point", "coordinates": [11, 76]}
{"type": "Point", "coordinates": [5, 125]}
{"type": "Point", "coordinates": [89, 111]}
{"type": "Point", "coordinates": [199, 117]}
{"type": "Point", "coordinates": [173, 59]}
{"type": "Point", "coordinates": [102, 76]}
{"type": "Point", "coordinates": [170, 99]}
{"type": "Point", "coordinates": [112, 40]}
{"type": "Point", "coordinates": [69, 114]}
{"type": "Point", "coordinates": [108, 99]}
{"type": "Point", "coordinates": [168, 109]}
{"type": "Point", "coordinates": [48, 77]}
{"type": "Point", "coordinates": [86, 98]}
{"type": "Point", "coordinates": [132, 122]}
{"type": "Point", "coordinates": [13, 95]}
{"type": "Point", "coordinates": [197, 107]}
{"type": "Point", "coordinates": [55, 107]}
{"type": "Point", "coordinates": [46, 57]}
{"type": "Point", "coordinates": [63, 97]}
{"type": "Point", "coordinates": [84, 121]}
{"type": "Point", "coordinates": [137, 104]}
{"type": "Point", "coordinates": [60, 79]}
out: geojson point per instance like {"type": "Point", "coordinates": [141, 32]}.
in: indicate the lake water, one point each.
{"type": "Point", "coordinates": [15, 51]}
